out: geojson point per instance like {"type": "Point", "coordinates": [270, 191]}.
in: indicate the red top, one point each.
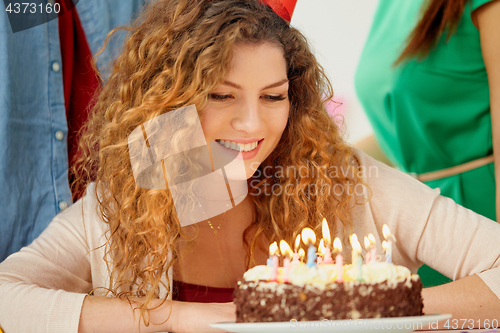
{"type": "Point", "coordinates": [188, 292]}
{"type": "Point", "coordinates": [79, 78]}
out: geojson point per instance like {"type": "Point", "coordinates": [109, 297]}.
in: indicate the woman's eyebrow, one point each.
{"type": "Point", "coordinates": [273, 85]}
{"type": "Point", "coordinates": [277, 84]}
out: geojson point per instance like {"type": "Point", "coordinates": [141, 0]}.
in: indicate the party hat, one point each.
{"type": "Point", "coordinates": [283, 8]}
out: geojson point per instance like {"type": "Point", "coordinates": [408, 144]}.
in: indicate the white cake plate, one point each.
{"type": "Point", "coordinates": [395, 325]}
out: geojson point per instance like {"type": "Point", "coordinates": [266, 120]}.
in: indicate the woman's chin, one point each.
{"type": "Point", "coordinates": [240, 176]}
{"type": "Point", "coordinates": [250, 172]}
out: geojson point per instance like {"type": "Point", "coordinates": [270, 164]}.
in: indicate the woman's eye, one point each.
{"type": "Point", "coordinates": [220, 97]}
{"type": "Point", "coordinates": [275, 97]}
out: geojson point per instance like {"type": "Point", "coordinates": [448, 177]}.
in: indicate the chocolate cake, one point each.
{"type": "Point", "coordinates": [385, 290]}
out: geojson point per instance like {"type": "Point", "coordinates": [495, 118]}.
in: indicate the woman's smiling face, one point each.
{"type": "Point", "coordinates": [250, 108]}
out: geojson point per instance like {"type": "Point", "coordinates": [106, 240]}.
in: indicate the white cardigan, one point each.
{"type": "Point", "coordinates": [42, 287]}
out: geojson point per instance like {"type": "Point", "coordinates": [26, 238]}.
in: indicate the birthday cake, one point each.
{"type": "Point", "coordinates": [373, 290]}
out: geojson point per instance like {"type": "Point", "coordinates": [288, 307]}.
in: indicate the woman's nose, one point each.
{"type": "Point", "coordinates": [248, 117]}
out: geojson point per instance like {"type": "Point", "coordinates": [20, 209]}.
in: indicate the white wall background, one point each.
{"type": "Point", "coordinates": [337, 31]}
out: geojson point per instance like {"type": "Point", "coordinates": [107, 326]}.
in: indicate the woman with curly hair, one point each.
{"type": "Point", "coordinates": [122, 258]}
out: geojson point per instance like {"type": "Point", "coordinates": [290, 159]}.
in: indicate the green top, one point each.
{"type": "Point", "coordinates": [434, 113]}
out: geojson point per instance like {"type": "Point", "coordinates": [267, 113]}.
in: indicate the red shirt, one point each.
{"type": "Point", "coordinates": [79, 78]}
{"type": "Point", "coordinates": [188, 292]}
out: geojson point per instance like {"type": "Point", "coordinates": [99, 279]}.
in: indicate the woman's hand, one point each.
{"type": "Point", "coordinates": [111, 314]}
{"type": "Point", "coordinates": [196, 317]}
{"type": "Point", "coordinates": [466, 298]}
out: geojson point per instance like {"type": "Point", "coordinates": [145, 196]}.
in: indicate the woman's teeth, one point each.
{"type": "Point", "coordinates": [242, 146]}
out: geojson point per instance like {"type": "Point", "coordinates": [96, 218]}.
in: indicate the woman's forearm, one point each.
{"type": "Point", "coordinates": [467, 298]}
{"type": "Point", "coordinates": [111, 314]}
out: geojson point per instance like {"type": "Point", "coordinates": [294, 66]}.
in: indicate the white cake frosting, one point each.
{"type": "Point", "coordinates": [321, 275]}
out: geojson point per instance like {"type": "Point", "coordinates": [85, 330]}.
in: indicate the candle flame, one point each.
{"type": "Point", "coordinates": [302, 254]}
{"type": "Point", "coordinates": [385, 245]}
{"type": "Point", "coordinates": [372, 239]}
{"type": "Point", "coordinates": [297, 242]}
{"type": "Point", "coordinates": [355, 243]}
{"type": "Point", "coordinates": [326, 233]}
{"type": "Point", "coordinates": [308, 236]}
{"type": "Point", "coordinates": [285, 249]}
{"type": "Point", "coordinates": [386, 231]}
{"type": "Point", "coordinates": [337, 245]}
{"type": "Point", "coordinates": [273, 248]}
{"type": "Point", "coordinates": [367, 243]}
{"type": "Point", "coordinates": [321, 247]}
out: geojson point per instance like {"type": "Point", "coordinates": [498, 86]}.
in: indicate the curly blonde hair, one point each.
{"type": "Point", "coordinates": [176, 53]}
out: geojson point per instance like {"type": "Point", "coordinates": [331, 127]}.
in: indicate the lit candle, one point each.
{"type": "Point", "coordinates": [287, 252]}
{"type": "Point", "coordinates": [274, 276]}
{"type": "Point", "coordinates": [388, 252]}
{"type": "Point", "coordinates": [272, 250]}
{"type": "Point", "coordinates": [367, 247]}
{"type": "Point", "coordinates": [273, 261]}
{"type": "Point", "coordinates": [373, 250]}
{"type": "Point", "coordinates": [339, 261]}
{"type": "Point", "coordinates": [353, 239]}
{"type": "Point", "coordinates": [309, 238]}
{"type": "Point", "coordinates": [302, 255]}
{"type": "Point", "coordinates": [357, 261]}
{"type": "Point", "coordinates": [321, 252]}
{"type": "Point", "coordinates": [390, 239]}
{"type": "Point", "coordinates": [327, 258]}
{"type": "Point", "coordinates": [371, 254]}
{"type": "Point", "coordinates": [296, 258]}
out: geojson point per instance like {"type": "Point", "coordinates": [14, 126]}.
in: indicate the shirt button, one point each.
{"type": "Point", "coordinates": [59, 135]}
{"type": "Point", "coordinates": [63, 205]}
{"type": "Point", "coordinates": [56, 67]}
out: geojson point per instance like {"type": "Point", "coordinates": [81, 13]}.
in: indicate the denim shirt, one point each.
{"type": "Point", "coordinates": [33, 130]}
